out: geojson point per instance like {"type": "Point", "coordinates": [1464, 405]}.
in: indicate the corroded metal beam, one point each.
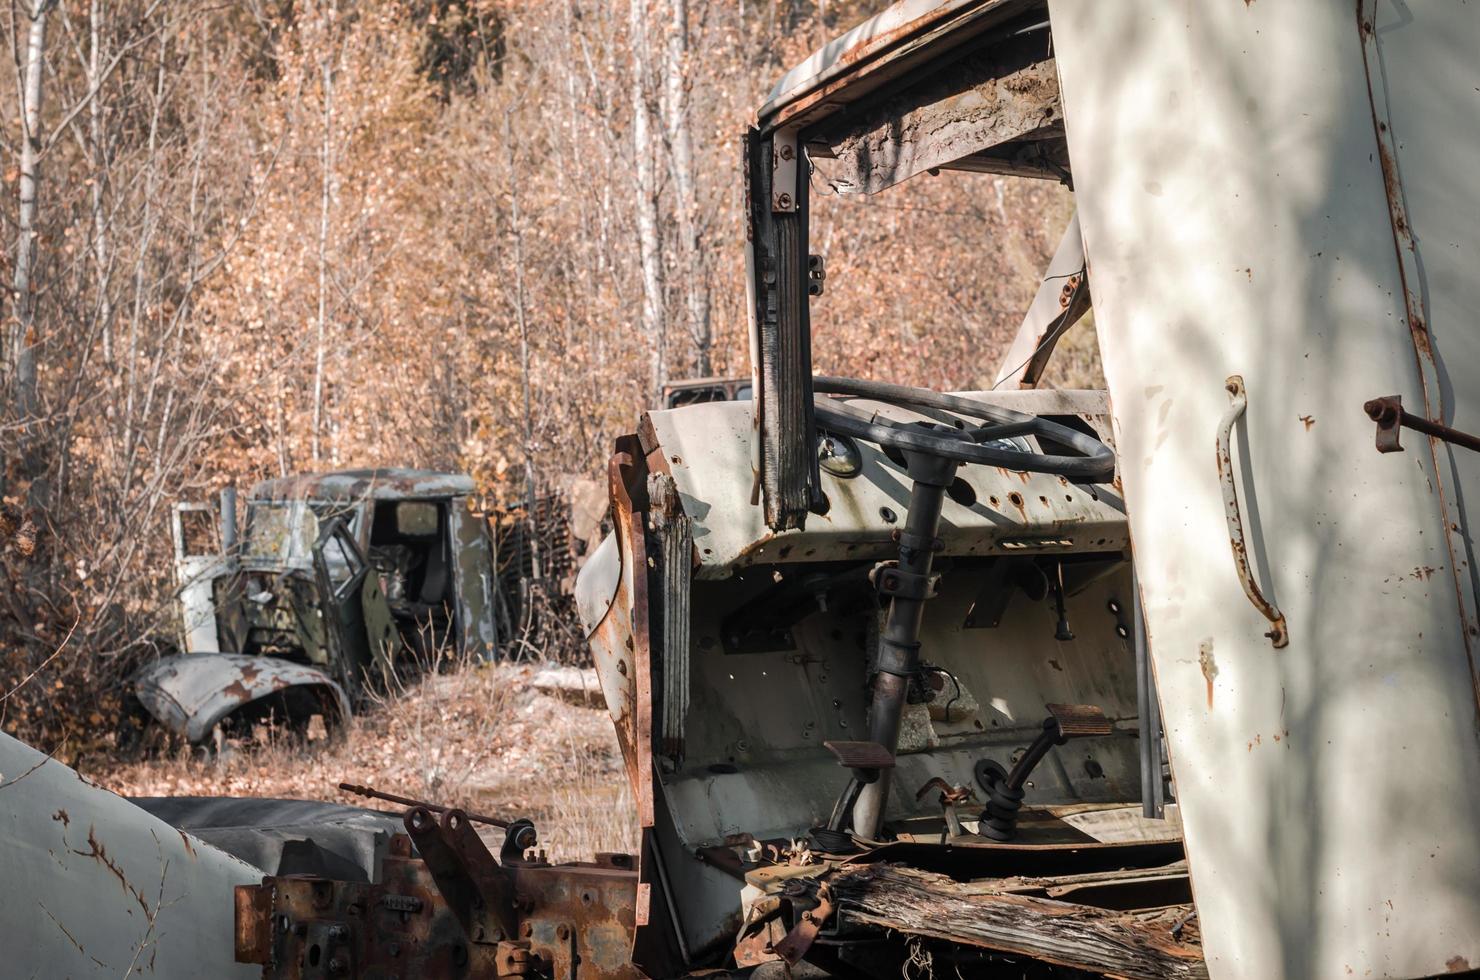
{"type": "Point", "coordinates": [952, 119]}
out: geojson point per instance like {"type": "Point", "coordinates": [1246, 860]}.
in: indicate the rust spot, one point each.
{"type": "Point", "coordinates": [1423, 572]}
{"type": "Point", "coordinates": [250, 673]}
{"type": "Point", "coordinates": [61, 815]}
{"type": "Point", "coordinates": [1208, 664]}
{"type": "Point", "coordinates": [189, 845]}
{"type": "Point", "coordinates": [1055, 665]}
{"type": "Point", "coordinates": [100, 854]}
{"type": "Point", "coordinates": [1309, 421]}
{"type": "Point", "coordinates": [237, 690]}
{"type": "Point", "coordinates": [1456, 964]}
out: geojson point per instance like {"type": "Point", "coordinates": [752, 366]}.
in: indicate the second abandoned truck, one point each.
{"type": "Point", "coordinates": [337, 580]}
{"type": "Point", "coordinates": [1174, 680]}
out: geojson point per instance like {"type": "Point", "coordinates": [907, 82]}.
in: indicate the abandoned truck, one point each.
{"type": "Point", "coordinates": [334, 577]}
{"type": "Point", "coordinates": [1174, 680]}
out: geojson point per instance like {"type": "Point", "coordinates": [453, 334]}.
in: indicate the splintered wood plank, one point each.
{"type": "Point", "coordinates": [1119, 944]}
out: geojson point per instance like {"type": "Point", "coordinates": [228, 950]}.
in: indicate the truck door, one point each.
{"type": "Point", "coordinates": [1267, 254]}
{"type": "Point", "coordinates": [199, 561]}
{"type": "Point", "coordinates": [472, 577]}
{"type": "Point", "coordinates": [357, 623]}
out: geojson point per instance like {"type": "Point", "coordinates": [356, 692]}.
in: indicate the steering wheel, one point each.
{"type": "Point", "coordinates": [952, 437]}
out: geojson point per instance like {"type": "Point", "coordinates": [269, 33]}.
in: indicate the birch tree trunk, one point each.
{"type": "Point", "coordinates": [98, 152]}
{"type": "Point", "coordinates": [653, 325]}
{"type": "Point", "coordinates": [517, 226]}
{"type": "Point", "coordinates": [326, 195]}
{"type": "Point", "coordinates": [681, 166]}
{"type": "Point", "coordinates": [23, 339]}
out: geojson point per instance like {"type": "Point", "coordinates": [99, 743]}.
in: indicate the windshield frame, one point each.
{"type": "Point", "coordinates": [300, 530]}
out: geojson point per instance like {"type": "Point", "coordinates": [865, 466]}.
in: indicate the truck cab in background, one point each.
{"type": "Point", "coordinates": [337, 579]}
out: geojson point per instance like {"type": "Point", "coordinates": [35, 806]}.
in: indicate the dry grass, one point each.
{"type": "Point", "coordinates": [479, 737]}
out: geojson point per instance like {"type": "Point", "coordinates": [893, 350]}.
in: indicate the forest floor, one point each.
{"type": "Point", "coordinates": [477, 737]}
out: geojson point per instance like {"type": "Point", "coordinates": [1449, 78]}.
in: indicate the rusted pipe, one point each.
{"type": "Point", "coordinates": [407, 801]}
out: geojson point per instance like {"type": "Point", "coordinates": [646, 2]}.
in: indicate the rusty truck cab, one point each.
{"type": "Point", "coordinates": [869, 641]}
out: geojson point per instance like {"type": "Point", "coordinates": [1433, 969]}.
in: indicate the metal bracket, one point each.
{"type": "Point", "coordinates": [479, 892]}
{"type": "Point", "coordinates": [894, 582]}
{"type": "Point", "coordinates": [784, 170]}
{"type": "Point", "coordinates": [1388, 413]}
{"type": "Point", "coordinates": [804, 933]}
{"type": "Point", "coordinates": [1238, 401]}
{"type": "Point", "coordinates": [816, 274]}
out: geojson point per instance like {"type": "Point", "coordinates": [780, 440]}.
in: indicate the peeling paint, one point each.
{"type": "Point", "coordinates": [1208, 664]}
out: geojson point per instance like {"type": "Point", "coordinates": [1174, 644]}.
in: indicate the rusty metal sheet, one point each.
{"type": "Point", "coordinates": [191, 694]}
{"type": "Point", "coordinates": [620, 648]}
{"type": "Point", "coordinates": [571, 920]}
{"type": "Point", "coordinates": [1230, 185]}
{"type": "Point", "coordinates": [96, 887]}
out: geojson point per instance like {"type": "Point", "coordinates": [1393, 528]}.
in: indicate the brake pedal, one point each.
{"type": "Point", "coordinates": [1079, 720]}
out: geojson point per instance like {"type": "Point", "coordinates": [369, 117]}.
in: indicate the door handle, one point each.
{"type": "Point", "coordinates": [1238, 401]}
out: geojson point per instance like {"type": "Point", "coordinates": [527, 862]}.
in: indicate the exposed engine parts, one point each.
{"type": "Point", "coordinates": [444, 906]}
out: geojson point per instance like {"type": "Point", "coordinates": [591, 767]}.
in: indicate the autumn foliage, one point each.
{"type": "Point", "coordinates": [255, 238]}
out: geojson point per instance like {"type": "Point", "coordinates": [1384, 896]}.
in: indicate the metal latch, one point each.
{"type": "Point", "coordinates": [1388, 413]}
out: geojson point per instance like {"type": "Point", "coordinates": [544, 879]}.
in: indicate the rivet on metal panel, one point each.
{"type": "Point", "coordinates": [784, 171]}
{"type": "Point", "coordinates": [1238, 401]}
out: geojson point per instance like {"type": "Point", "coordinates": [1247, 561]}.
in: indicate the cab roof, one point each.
{"type": "Point", "coordinates": [890, 43]}
{"type": "Point", "coordinates": [369, 484]}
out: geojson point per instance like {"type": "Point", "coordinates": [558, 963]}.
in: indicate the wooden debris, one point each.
{"type": "Point", "coordinates": [1120, 944]}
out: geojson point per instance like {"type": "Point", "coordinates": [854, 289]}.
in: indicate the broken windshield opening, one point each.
{"type": "Point", "coordinates": [286, 531]}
